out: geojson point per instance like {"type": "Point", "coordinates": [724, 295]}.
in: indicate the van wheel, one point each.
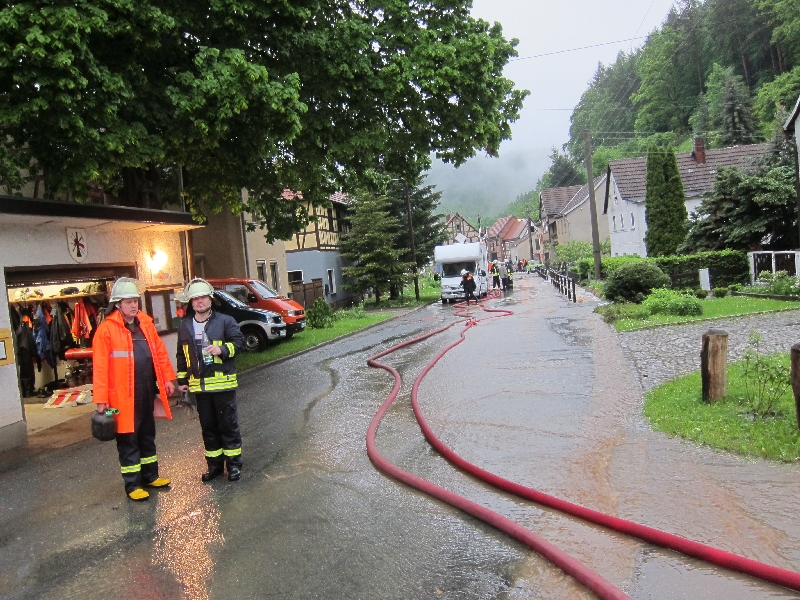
{"type": "Point", "coordinates": [255, 340]}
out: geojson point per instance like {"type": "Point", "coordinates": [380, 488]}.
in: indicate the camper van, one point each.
{"type": "Point", "coordinates": [452, 259]}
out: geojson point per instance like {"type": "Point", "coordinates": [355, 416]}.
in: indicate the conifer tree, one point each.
{"type": "Point", "coordinates": [665, 203]}
{"type": "Point", "coordinates": [370, 244]}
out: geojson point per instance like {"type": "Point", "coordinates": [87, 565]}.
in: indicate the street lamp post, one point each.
{"type": "Point", "coordinates": [411, 240]}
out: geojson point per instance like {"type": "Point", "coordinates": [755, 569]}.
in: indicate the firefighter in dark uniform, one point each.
{"type": "Point", "coordinates": [495, 275]}
{"type": "Point", "coordinates": [207, 344]}
{"type": "Point", "coordinates": [468, 283]}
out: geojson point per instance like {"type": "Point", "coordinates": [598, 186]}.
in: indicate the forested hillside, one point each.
{"type": "Point", "coordinates": [726, 70]}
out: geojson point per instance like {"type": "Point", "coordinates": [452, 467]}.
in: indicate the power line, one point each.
{"type": "Point", "coordinates": [576, 49]}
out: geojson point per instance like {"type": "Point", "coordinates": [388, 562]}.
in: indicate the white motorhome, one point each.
{"type": "Point", "coordinates": [452, 259]}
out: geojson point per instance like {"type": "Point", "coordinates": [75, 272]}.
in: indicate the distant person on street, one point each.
{"type": "Point", "coordinates": [468, 283]}
{"type": "Point", "coordinates": [133, 375]}
{"type": "Point", "coordinates": [495, 275]}
{"type": "Point", "coordinates": [503, 273]}
{"type": "Point", "coordinates": [207, 344]}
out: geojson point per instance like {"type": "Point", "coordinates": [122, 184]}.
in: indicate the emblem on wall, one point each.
{"type": "Point", "coordinates": [76, 242]}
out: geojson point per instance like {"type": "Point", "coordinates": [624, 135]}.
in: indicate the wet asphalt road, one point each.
{"type": "Point", "coordinates": [544, 397]}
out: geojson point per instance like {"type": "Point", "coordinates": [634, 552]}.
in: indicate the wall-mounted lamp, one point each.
{"type": "Point", "coordinates": [157, 260]}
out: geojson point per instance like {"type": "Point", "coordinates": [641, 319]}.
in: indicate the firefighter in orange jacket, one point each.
{"type": "Point", "coordinates": [131, 368]}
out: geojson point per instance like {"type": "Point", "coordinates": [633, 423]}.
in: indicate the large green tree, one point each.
{"type": "Point", "coordinates": [725, 115]}
{"type": "Point", "coordinates": [263, 95]}
{"type": "Point", "coordinates": [425, 218]}
{"type": "Point", "coordinates": [370, 245]}
{"type": "Point", "coordinates": [564, 171]}
{"type": "Point", "coordinates": [665, 203]}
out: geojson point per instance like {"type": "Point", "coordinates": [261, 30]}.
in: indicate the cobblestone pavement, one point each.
{"type": "Point", "coordinates": [663, 353]}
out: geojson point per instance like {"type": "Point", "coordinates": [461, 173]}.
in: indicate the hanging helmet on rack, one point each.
{"type": "Point", "coordinates": [126, 287]}
{"type": "Point", "coordinates": [197, 288]}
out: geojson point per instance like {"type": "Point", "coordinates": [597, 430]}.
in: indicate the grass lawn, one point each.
{"type": "Point", "coordinates": [677, 409]}
{"type": "Point", "coordinates": [307, 339]}
{"type": "Point", "coordinates": [633, 316]}
{"type": "Point", "coordinates": [429, 291]}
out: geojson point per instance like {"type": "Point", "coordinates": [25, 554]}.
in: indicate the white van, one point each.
{"type": "Point", "coordinates": [450, 261]}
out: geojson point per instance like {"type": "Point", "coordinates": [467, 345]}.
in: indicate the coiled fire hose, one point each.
{"type": "Point", "coordinates": [566, 563]}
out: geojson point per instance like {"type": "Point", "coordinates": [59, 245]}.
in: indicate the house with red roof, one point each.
{"type": "Point", "coordinates": [504, 239]}
{"type": "Point", "coordinates": [624, 202]}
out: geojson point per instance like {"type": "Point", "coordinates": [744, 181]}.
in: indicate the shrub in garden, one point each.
{"type": "Point", "coordinates": [719, 292]}
{"type": "Point", "coordinates": [735, 287]}
{"type": "Point", "coordinates": [779, 283]}
{"type": "Point", "coordinates": [700, 293]}
{"type": "Point", "coordinates": [664, 301]}
{"type": "Point", "coordinates": [320, 315]}
{"type": "Point", "coordinates": [766, 377]}
{"type": "Point", "coordinates": [622, 310]}
{"type": "Point", "coordinates": [632, 282]}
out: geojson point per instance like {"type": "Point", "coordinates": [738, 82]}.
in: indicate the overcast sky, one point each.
{"type": "Point", "coordinates": [555, 82]}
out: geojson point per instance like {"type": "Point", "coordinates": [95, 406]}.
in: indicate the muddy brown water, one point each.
{"type": "Point", "coordinates": [563, 415]}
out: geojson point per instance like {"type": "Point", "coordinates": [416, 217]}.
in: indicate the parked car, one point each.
{"type": "Point", "coordinates": [257, 294]}
{"type": "Point", "coordinates": [258, 326]}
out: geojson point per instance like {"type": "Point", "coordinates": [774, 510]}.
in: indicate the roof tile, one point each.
{"type": "Point", "coordinates": [630, 174]}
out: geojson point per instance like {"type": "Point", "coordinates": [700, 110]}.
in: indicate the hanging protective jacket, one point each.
{"type": "Point", "coordinates": [41, 334]}
{"type": "Point", "coordinates": [60, 336]}
{"type": "Point", "coordinates": [81, 326]}
{"type": "Point", "coordinates": [112, 355]}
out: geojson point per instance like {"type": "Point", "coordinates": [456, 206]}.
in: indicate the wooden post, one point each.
{"type": "Point", "coordinates": [795, 354]}
{"type": "Point", "coordinates": [713, 363]}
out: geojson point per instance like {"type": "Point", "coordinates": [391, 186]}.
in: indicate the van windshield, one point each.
{"type": "Point", "coordinates": [454, 269]}
{"type": "Point", "coordinates": [262, 289]}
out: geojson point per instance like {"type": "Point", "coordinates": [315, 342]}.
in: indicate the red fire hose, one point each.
{"type": "Point", "coordinates": [569, 565]}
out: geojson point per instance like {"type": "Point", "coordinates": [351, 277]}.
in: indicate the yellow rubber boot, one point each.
{"type": "Point", "coordinates": [138, 494]}
{"type": "Point", "coordinates": [160, 482]}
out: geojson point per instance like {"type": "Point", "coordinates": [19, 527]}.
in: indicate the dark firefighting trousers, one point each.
{"type": "Point", "coordinates": [137, 451]}
{"type": "Point", "coordinates": [219, 420]}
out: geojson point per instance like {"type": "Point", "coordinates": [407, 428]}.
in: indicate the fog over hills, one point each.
{"type": "Point", "coordinates": [485, 185]}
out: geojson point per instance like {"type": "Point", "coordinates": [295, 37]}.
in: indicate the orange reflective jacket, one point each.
{"type": "Point", "coordinates": [112, 355]}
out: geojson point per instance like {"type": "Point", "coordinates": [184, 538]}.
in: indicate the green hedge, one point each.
{"type": "Point", "coordinates": [608, 264]}
{"type": "Point", "coordinates": [726, 267]}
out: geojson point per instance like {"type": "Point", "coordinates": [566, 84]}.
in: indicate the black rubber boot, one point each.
{"type": "Point", "coordinates": [234, 473]}
{"type": "Point", "coordinates": [213, 472]}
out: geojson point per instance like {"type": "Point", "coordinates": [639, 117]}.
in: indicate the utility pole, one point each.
{"type": "Point", "coordinates": [592, 204]}
{"type": "Point", "coordinates": [411, 239]}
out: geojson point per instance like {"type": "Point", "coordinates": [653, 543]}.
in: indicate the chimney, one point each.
{"type": "Point", "coordinates": [699, 151]}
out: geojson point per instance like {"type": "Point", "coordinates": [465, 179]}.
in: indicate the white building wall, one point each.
{"type": "Point", "coordinates": [23, 245]}
{"type": "Point", "coordinates": [626, 234]}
